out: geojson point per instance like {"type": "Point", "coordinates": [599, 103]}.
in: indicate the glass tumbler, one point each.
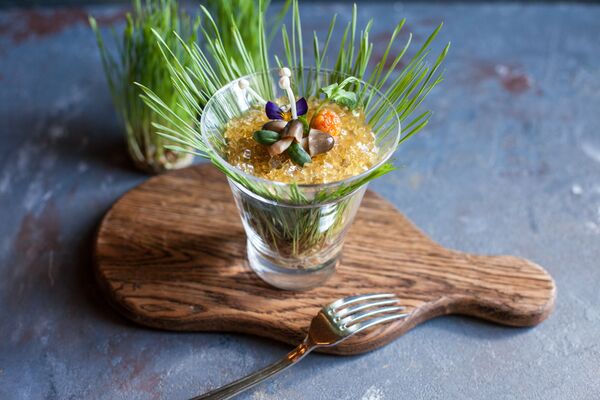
{"type": "Point", "coordinates": [295, 232]}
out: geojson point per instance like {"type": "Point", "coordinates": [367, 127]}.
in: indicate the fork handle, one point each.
{"type": "Point", "coordinates": [236, 387]}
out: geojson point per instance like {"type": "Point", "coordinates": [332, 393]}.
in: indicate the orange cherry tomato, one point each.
{"type": "Point", "coordinates": [327, 121]}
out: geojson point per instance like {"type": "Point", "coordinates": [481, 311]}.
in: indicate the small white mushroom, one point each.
{"type": "Point", "coordinates": [284, 83]}
{"type": "Point", "coordinates": [285, 71]}
{"type": "Point", "coordinates": [243, 84]}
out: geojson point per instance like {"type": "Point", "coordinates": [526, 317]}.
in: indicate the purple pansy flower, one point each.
{"type": "Point", "coordinates": [273, 111]}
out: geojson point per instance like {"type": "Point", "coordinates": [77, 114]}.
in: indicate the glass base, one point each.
{"type": "Point", "coordinates": [289, 278]}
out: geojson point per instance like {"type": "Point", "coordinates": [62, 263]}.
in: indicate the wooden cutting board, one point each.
{"type": "Point", "coordinates": [171, 254]}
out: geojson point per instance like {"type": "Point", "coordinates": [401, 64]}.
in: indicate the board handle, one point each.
{"type": "Point", "coordinates": [504, 289]}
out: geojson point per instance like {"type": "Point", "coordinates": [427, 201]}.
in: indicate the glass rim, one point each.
{"type": "Point", "coordinates": [303, 186]}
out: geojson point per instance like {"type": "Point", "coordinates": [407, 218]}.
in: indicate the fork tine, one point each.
{"type": "Point", "coordinates": [375, 321]}
{"type": "Point", "coordinates": [353, 309]}
{"type": "Point", "coordinates": [367, 314]}
{"type": "Point", "coordinates": [354, 299]}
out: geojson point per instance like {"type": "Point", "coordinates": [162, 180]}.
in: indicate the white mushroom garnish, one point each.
{"type": "Point", "coordinates": [284, 83]}
{"type": "Point", "coordinates": [243, 84]}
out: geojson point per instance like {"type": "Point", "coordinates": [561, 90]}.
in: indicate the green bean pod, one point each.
{"type": "Point", "coordinates": [266, 137]}
{"type": "Point", "coordinates": [298, 154]}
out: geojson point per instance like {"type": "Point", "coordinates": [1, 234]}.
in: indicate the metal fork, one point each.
{"type": "Point", "coordinates": [333, 324]}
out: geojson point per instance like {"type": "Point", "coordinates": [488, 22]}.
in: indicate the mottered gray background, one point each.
{"type": "Point", "coordinates": [510, 164]}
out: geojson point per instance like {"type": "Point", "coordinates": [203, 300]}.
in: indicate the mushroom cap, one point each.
{"type": "Point", "coordinates": [319, 142]}
{"type": "Point", "coordinates": [275, 126]}
{"type": "Point", "coordinates": [285, 71]}
{"type": "Point", "coordinates": [294, 129]}
{"type": "Point", "coordinates": [243, 83]}
{"type": "Point", "coordinates": [284, 82]}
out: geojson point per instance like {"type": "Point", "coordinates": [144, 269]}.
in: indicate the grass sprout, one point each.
{"type": "Point", "coordinates": [196, 72]}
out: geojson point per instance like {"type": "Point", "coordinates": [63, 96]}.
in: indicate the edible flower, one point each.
{"type": "Point", "coordinates": [273, 111]}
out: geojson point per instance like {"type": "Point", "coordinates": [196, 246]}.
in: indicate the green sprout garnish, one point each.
{"type": "Point", "coordinates": [337, 94]}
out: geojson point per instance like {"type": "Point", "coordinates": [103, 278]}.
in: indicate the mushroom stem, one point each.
{"type": "Point", "coordinates": [284, 83]}
{"type": "Point", "coordinates": [245, 85]}
{"type": "Point", "coordinates": [292, 102]}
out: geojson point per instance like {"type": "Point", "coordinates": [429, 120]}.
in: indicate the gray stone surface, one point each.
{"type": "Point", "coordinates": [509, 164]}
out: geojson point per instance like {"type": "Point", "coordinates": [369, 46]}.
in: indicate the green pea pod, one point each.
{"type": "Point", "coordinates": [298, 154]}
{"type": "Point", "coordinates": [266, 137]}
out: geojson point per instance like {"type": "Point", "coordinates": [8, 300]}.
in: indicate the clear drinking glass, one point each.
{"type": "Point", "coordinates": [295, 232]}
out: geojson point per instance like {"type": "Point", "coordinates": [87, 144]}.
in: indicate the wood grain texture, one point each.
{"type": "Point", "coordinates": [170, 254]}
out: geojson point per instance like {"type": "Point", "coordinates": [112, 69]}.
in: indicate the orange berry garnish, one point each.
{"type": "Point", "coordinates": [327, 121]}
